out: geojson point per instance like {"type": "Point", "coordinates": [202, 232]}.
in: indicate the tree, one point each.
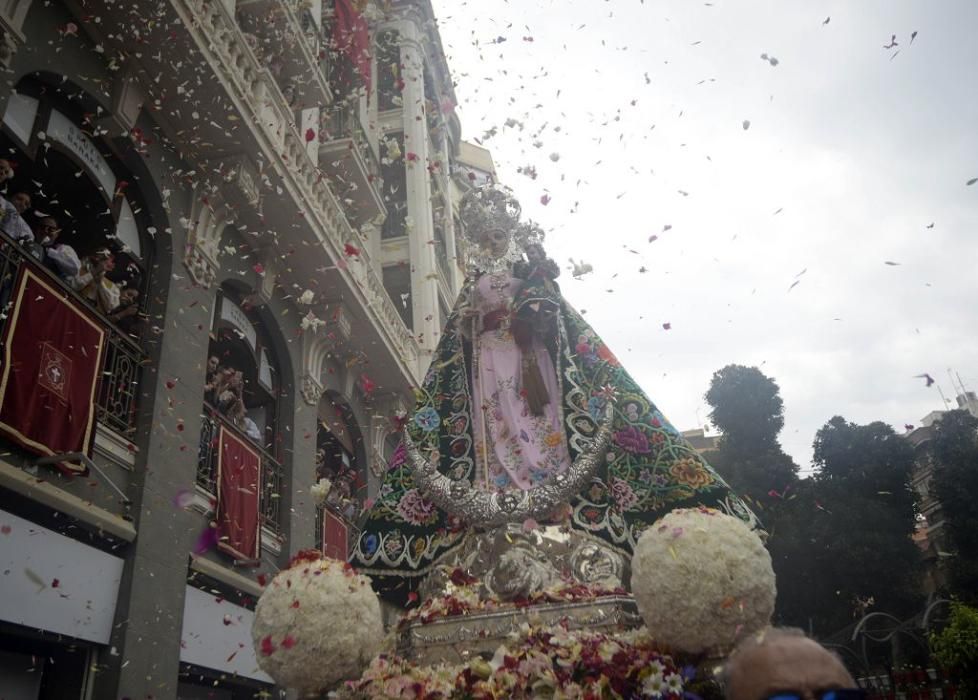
{"type": "Point", "coordinates": [747, 408]}
{"type": "Point", "coordinates": [955, 484]}
{"type": "Point", "coordinates": [956, 648]}
{"type": "Point", "coordinates": [861, 556]}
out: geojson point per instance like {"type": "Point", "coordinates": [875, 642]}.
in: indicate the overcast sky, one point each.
{"type": "Point", "coordinates": [633, 115]}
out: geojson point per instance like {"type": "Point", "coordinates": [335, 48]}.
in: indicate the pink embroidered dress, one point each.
{"type": "Point", "coordinates": [523, 449]}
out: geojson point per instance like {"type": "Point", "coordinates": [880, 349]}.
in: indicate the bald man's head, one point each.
{"type": "Point", "coordinates": [784, 661]}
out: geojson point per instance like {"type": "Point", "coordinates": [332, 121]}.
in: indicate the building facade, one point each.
{"type": "Point", "coordinates": [280, 187]}
{"type": "Point", "coordinates": [930, 536]}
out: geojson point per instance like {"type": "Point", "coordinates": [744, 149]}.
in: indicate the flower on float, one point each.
{"type": "Point", "coordinates": [320, 490]}
{"type": "Point", "coordinates": [316, 594]}
{"type": "Point", "coordinates": [702, 580]}
{"type": "Point", "coordinates": [306, 297]}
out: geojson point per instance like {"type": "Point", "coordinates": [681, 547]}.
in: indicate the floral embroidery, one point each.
{"type": "Point", "coordinates": [691, 472]}
{"type": "Point", "coordinates": [622, 494]}
{"type": "Point", "coordinates": [427, 419]}
{"type": "Point", "coordinates": [414, 508]}
{"type": "Point", "coordinates": [633, 440]}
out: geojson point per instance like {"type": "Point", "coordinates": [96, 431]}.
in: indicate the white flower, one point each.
{"type": "Point", "coordinates": [702, 580]}
{"type": "Point", "coordinates": [320, 490]}
{"type": "Point", "coordinates": [317, 623]}
{"type": "Point", "coordinates": [306, 297]}
{"type": "Point", "coordinates": [652, 686]}
{"type": "Point", "coordinates": [674, 682]}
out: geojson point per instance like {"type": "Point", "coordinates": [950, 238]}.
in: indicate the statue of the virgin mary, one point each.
{"type": "Point", "coordinates": [524, 416]}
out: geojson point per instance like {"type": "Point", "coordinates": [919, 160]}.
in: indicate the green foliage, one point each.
{"type": "Point", "coordinates": [956, 647]}
{"type": "Point", "coordinates": [747, 408]}
{"type": "Point", "coordinates": [955, 485]}
{"type": "Point", "coordinates": [861, 517]}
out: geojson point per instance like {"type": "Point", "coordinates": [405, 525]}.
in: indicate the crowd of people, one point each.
{"type": "Point", "coordinates": [224, 391]}
{"type": "Point", "coordinates": [342, 486]}
{"type": "Point", "coordinates": [114, 295]}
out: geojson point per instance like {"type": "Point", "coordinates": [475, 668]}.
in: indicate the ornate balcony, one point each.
{"type": "Point", "coordinates": [119, 389]}
{"type": "Point", "coordinates": [272, 471]}
{"type": "Point", "coordinates": [207, 33]}
{"type": "Point", "coordinates": [346, 155]}
{"type": "Point", "coordinates": [284, 37]}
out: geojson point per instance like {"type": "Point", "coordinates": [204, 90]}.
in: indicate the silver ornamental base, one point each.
{"type": "Point", "coordinates": [457, 639]}
{"type": "Point", "coordinates": [512, 563]}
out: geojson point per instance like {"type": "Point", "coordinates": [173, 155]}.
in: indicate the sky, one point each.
{"type": "Point", "coordinates": [811, 218]}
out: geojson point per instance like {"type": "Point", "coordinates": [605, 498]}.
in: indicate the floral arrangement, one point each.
{"type": "Point", "coordinates": [551, 662]}
{"type": "Point", "coordinates": [702, 580]}
{"type": "Point", "coordinates": [320, 490]}
{"type": "Point", "coordinates": [317, 623]}
{"type": "Point", "coordinates": [465, 597]}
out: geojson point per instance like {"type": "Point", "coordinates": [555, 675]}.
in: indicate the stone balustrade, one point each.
{"type": "Point", "coordinates": [257, 89]}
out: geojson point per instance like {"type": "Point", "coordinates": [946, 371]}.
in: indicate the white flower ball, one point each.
{"type": "Point", "coordinates": [317, 623]}
{"type": "Point", "coordinates": [702, 580]}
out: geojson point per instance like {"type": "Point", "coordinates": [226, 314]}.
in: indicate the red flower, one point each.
{"type": "Point", "coordinates": [305, 555]}
{"type": "Point", "coordinates": [267, 647]}
{"type": "Point", "coordinates": [287, 643]}
{"type": "Point", "coordinates": [350, 250]}
{"type": "Point", "coordinates": [310, 135]}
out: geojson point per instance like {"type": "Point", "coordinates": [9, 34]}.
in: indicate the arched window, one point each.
{"type": "Point", "coordinates": [63, 169]}
{"type": "Point", "coordinates": [241, 394]}
{"type": "Point", "coordinates": [340, 455]}
{"type": "Point", "coordinates": [72, 177]}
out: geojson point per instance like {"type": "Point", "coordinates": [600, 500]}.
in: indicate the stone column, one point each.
{"type": "Point", "coordinates": [424, 284]}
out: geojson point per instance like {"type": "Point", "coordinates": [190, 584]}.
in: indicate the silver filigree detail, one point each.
{"type": "Point", "coordinates": [479, 507]}
{"type": "Point", "coordinates": [510, 562]}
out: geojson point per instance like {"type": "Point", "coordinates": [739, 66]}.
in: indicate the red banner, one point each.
{"type": "Point", "coordinates": [335, 536]}
{"type": "Point", "coordinates": [238, 496]}
{"type": "Point", "coordinates": [51, 362]}
{"type": "Point", "coordinates": [352, 34]}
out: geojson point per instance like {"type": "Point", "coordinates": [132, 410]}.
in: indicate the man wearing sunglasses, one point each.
{"type": "Point", "coordinates": [783, 664]}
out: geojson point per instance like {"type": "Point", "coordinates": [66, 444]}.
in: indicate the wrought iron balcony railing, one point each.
{"type": "Point", "coordinates": [118, 393]}
{"type": "Point", "coordinates": [272, 471]}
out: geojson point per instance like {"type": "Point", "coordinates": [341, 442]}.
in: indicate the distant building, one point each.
{"type": "Point", "coordinates": [700, 441]}
{"type": "Point", "coordinates": [929, 535]}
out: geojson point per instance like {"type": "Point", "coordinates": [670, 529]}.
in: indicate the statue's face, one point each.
{"type": "Point", "coordinates": [497, 241]}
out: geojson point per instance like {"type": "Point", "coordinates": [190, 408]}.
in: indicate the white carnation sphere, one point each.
{"type": "Point", "coordinates": [317, 623]}
{"type": "Point", "coordinates": [702, 580]}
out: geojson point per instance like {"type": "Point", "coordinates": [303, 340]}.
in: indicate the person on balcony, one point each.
{"type": "Point", "coordinates": [126, 314]}
{"type": "Point", "coordinates": [91, 281]}
{"type": "Point", "coordinates": [61, 258]}
{"type": "Point", "coordinates": [241, 421]}
{"type": "Point", "coordinates": [229, 391]}
{"type": "Point", "coordinates": [12, 217]}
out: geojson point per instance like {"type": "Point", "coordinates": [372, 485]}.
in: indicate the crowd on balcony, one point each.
{"type": "Point", "coordinates": [224, 391]}
{"type": "Point", "coordinates": [342, 480]}
{"type": "Point", "coordinates": [38, 235]}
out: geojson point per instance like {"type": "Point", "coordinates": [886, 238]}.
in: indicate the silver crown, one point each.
{"type": "Point", "coordinates": [487, 209]}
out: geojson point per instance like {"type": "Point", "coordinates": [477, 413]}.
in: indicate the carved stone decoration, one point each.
{"type": "Point", "coordinates": [243, 174]}
{"type": "Point", "coordinates": [208, 217]}
{"type": "Point", "coordinates": [511, 563]}
{"type": "Point", "coordinates": [312, 390]}
{"type": "Point", "coordinates": [315, 349]}
{"type": "Point", "coordinates": [475, 506]}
